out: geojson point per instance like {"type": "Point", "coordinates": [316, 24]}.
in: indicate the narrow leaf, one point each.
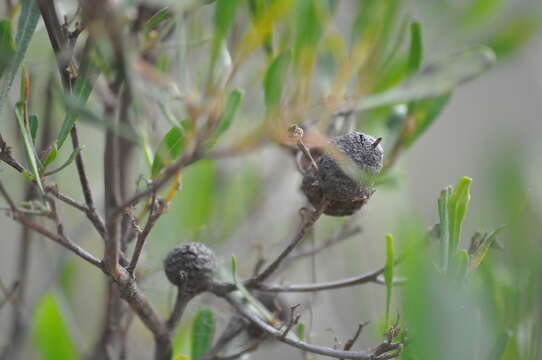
{"type": "Point", "coordinates": [444, 226]}
{"type": "Point", "coordinates": [203, 330]}
{"type": "Point", "coordinates": [27, 144]}
{"type": "Point", "coordinates": [274, 79]}
{"type": "Point", "coordinates": [158, 17]}
{"type": "Point", "coordinates": [423, 113]}
{"type": "Point", "coordinates": [462, 261]}
{"type": "Point", "coordinates": [50, 332]}
{"type": "Point", "coordinates": [170, 148]}
{"type": "Point", "coordinates": [415, 55]}
{"type": "Point", "coordinates": [228, 114]}
{"type": "Point", "coordinates": [486, 243]}
{"type": "Point", "coordinates": [300, 331]}
{"type": "Point", "coordinates": [33, 124]}
{"type": "Point", "coordinates": [81, 92]}
{"type": "Point", "coordinates": [436, 79]}
{"type": "Point", "coordinates": [28, 21]}
{"type": "Point", "coordinates": [71, 159]}
{"type": "Point", "coordinates": [7, 46]}
{"type": "Point", "coordinates": [457, 208]}
{"type": "Point", "coordinates": [51, 156]}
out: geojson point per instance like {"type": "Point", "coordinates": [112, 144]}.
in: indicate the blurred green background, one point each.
{"type": "Point", "coordinates": [248, 205]}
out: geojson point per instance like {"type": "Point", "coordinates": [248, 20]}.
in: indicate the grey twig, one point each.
{"type": "Point", "coordinates": [306, 224]}
{"type": "Point", "coordinates": [376, 354]}
{"type": "Point", "coordinates": [156, 210]}
{"type": "Point", "coordinates": [349, 343]}
{"type": "Point", "coordinates": [329, 285]}
{"type": "Point", "coordinates": [294, 319]}
{"type": "Point", "coordinates": [189, 156]}
{"type": "Point", "coordinates": [342, 234]}
{"type": "Point", "coordinates": [64, 241]}
{"type": "Point", "coordinates": [5, 156]}
{"type": "Point", "coordinates": [181, 302]}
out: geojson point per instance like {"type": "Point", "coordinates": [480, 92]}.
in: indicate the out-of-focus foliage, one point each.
{"type": "Point", "coordinates": [51, 334]}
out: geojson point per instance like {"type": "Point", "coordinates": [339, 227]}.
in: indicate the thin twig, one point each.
{"type": "Point", "coordinates": [294, 319]}
{"type": "Point", "coordinates": [8, 294]}
{"type": "Point", "coordinates": [66, 242]}
{"type": "Point", "coordinates": [181, 302]}
{"type": "Point", "coordinates": [342, 234]}
{"type": "Point", "coordinates": [350, 342]}
{"type": "Point", "coordinates": [242, 309]}
{"type": "Point", "coordinates": [337, 284]}
{"type": "Point", "coordinates": [189, 157]}
{"type": "Point", "coordinates": [157, 209]}
{"type": "Point", "coordinates": [306, 224]}
{"type": "Point", "coordinates": [5, 156]}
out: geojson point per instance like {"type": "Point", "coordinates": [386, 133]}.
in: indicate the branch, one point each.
{"type": "Point", "coordinates": [305, 226]}
{"type": "Point", "coordinates": [181, 302]}
{"type": "Point", "coordinates": [157, 209]}
{"type": "Point", "coordinates": [64, 241]}
{"type": "Point", "coordinates": [95, 218]}
{"type": "Point", "coordinates": [189, 157]}
{"type": "Point", "coordinates": [342, 234]}
{"type": "Point", "coordinates": [337, 284]}
{"type": "Point", "coordinates": [5, 156]}
{"type": "Point", "coordinates": [376, 354]}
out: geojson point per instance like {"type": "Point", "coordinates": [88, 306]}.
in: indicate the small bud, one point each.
{"type": "Point", "coordinates": [191, 266]}
{"type": "Point", "coordinates": [334, 181]}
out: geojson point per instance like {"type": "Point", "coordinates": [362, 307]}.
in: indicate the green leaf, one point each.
{"type": "Point", "coordinates": [7, 46]}
{"type": "Point", "coordinates": [224, 16]}
{"type": "Point", "coordinates": [480, 11]}
{"type": "Point", "coordinates": [300, 331]}
{"type": "Point", "coordinates": [193, 204]}
{"type": "Point", "coordinates": [28, 21]}
{"type": "Point", "coordinates": [156, 19]}
{"type": "Point", "coordinates": [457, 208]}
{"type": "Point", "coordinates": [33, 124]}
{"type": "Point", "coordinates": [71, 159]}
{"type": "Point", "coordinates": [258, 9]}
{"type": "Point", "coordinates": [51, 156]}
{"type": "Point", "coordinates": [170, 148]}
{"type": "Point", "coordinates": [486, 242]}
{"type": "Point", "coordinates": [415, 55]}
{"type": "Point", "coordinates": [513, 34]}
{"type": "Point", "coordinates": [228, 114]}
{"type": "Point", "coordinates": [203, 330]}
{"type": "Point", "coordinates": [182, 340]}
{"type": "Point", "coordinates": [444, 225]}
{"type": "Point", "coordinates": [81, 92]}
{"type": "Point", "coordinates": [434, 80]}
{"type": "Point", "coordinates": [274, 79]}
{"type": "Point", "coordinates": [308, 30]}
{"type": "Point", "coordinates": [423, 113]}
{"type": "Point", "coordinates": [50, 331]}
{"type": "Point", "coordinates": [27, 144]}
{"type": "Point", "coordinates": [388, 274]}
{"type": "Point", "coordinates": [462, 261]}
